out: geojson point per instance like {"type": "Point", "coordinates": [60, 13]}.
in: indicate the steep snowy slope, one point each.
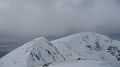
{"type": "Point", "coordinates": [90, 46]}
{"type": "Point", "coordinates": [38, 52]}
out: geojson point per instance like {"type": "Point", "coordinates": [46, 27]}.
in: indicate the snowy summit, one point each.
{"type": "Point", "coordinates": [86, 49]}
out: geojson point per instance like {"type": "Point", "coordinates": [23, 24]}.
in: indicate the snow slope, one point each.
{"type": "Point", "coordinates": [38, 52]}
{"type": "Point", "coordinates": [83, 63]}
{"type": "Point", "coordinates": [89, 46]}
{"type": "Point", "coordinates": [82, 46]}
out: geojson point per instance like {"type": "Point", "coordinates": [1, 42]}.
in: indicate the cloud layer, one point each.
{"type": "Point", "coordinates": [58, 17]}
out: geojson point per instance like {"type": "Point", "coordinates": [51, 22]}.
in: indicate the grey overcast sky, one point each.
{"type": "Point", "coordinates": [23, 20]}
{"type": "Point", "coordinates": [29, 18]}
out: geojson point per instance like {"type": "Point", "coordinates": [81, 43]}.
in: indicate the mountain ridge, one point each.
{"type": "Point", "coordinates": [84, 45]}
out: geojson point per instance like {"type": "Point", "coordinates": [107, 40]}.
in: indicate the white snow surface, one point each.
{"type": "Point", "coordinates": [83, 63]}
{"type": "Point", "coordinates": [32, 54]}
{"type": "Point", "coordinates": [80, 50]}
{"type": "Point", "coordinates": [87, 45]}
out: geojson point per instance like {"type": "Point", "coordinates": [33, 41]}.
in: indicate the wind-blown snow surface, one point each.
{"type": "Point", "coordinates": [82, 46]}
{"type": "Point", "coordinates": [83, 63]}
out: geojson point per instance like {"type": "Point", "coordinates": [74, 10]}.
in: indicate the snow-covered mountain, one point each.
{"type": "Point", "coordinates": [81, 46]}
{"type": "Point", "coordinates": [88, 45]}
{"type": "Point", "coordinates": [35, 53]}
